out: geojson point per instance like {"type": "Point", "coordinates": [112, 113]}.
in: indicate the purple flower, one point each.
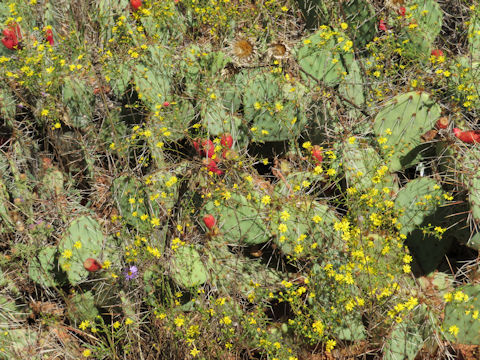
{"type": "Point", "coordinates": [131, 272]}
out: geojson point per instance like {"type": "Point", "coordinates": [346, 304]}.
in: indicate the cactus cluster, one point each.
{"type": "Point", "coordinates": [274, 189]}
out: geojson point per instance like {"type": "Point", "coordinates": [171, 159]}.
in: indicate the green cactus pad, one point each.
{"type": "Point", "coordinates": [120, 78]}
{"type": "Point", "coordinates": [6, 224]}
{"type": "Point", "coordinates": [464, 316]}
{"type": "Point", "coordinates": [187, 268]}
{"type": "Point", "coordinates": [360, 16]}
{"type": "Point", "coordinates": [153, 78]}
{"type": "Point", "coordinates": [418, 199]}
{"type": "Point", "coordinates": [428, 17]}
{"type": "Point", "coordinates": [17, 343]}
{"type": "Point", "coordinates": [240, 220]}
{"type": "Point", "coordinates": [273, 113]}
{"type": "Point", "coordinates": [78, 97]}
{"type": "Point", "coordinates": [309, 226]}
{"type": "Point", "coordinates": [233, 274]}
{"type": "Point", "coordinates": [324, 59]}
{"type": "Point", "coordinates": [42, 268]}
{"type": "Point", "coordinates": [474, 36]}
{"type": "Point", "coordinates": [407, 117]}
{"type": "Point", "coordinates": [352, 329]}
{"type": "Point", "coordinates": [352, 89]}
{"type": "Point", "coordinates": [83, 239]}
{"type": "Point", "coordinates": [404, 342]}
{"type": "Point", "coordinates": [82, 307]}
{"type": "Point", "coordinates": [218, 119]}
{"type": "Point", "coordinates": [53, 181]}
{"type": "Point", "coordinates": [162, 189]}
{"type": "Point", "coordinates": [125, 189]}
{"type": "Point", "coordinates": [8, 108]}
{"type": "Point", "coordinates": [362, 167]}
{"type": "Point", "coordinates": [474, 197]}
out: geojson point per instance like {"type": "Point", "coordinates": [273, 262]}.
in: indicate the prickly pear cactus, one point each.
{"type": "Point", "coordinates": [404, 342]}
{"type": "Point", "coordinates": [351, 329]}
{"type": "Point", "coordinates": [361, 19]}
{"type": "Point", "coordinates": [240, 220]}
{"type": "Point", "coordinates": [120, 77]}
{"type": "Point", "coordinates": [214, 62]}
{"type": "Point", "coordinates": [400, 125]}
{"type": "Point", "coordinates": [426, 23]}
{"type": "Point", "coordinates": [274, 116]}
{"type": "Point", "coordinates": [6, 224]}
{"type": "Point", "coordinates": [418, 199]}
{"type": "Point", "coordinates": [83, 239]}
{"type": "Point", "coordinates": [187, 268]}
{"type": "Point", "coordinates": [218, 119]}
{"type": "Point", "coordinates": [78, 97]}
{"type": "Point", "coordinates": [152, 85]}
{"type": "Point", "coordinates": [165, 26]}
{"type": "Point", "coordinates": [238, 275]}
{"type": "Point", "coordinates": [52, 181]}
{"type": "Point", "coordinates": [129, 195]}
{"type": "Point", "coordinates": [323, 57]}
{"type": "Point", "coordinates": [153, 79]}
{"type": "Point", "coordinates": [363, 167]}
{"type": "Point", "coordinates": [474, 35]}
{"type": "Point", "coordinates": [314, 12]}
{"type": "Point", "coordinates": [175, 119]}
{"type": "Point", "coordinates": [162, 189]}
{"type": "Point", "coordinates": [81, 306]}
{"type": "Point", "coordinates": [7, 105]}
{"type": "Point", "coordinates": [461, 324]}
{"type": "Point", "coordinates": [474, 197]}
{"type": "Point", "coordinates": [107, 11]}
{"type": "Point", "coordinates": [352, 89]}
{"type": "Point", "coordinates": [420, 205]}
{"type": "Point", "coordinates": [20, 185]}
{"type": "Point", "coordinates": [469, 175]}
{"type": "Point", "coordinates": [302, 228]}
{"type": "Point", "coordinates": [42, 267]}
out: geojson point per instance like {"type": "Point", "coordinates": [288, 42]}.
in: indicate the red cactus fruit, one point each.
{"type": "Point", "coordinates": [382, 26]}
{"type": "Point", "coordinates": [9, 43]}
{"type": "Point", "coordinates": [207, 148]}
{"type": "Point", "coordinates": [212, 166]}
{"type": "Point", "coordinates": [317, 154]}
{"type": "Point", "coordinates": [227, 140]}
{"type": "Point", "coordinates": [209, 221]}
{"type": "Point", "coordinates": [166, 103]}
{"type": "Point", "coordinates": [437, 52]}
{"type": "Point", "coordinates": [136, 4]}
{"type": "Point", "coordinates": [11, 36]}
{"type": "Point", "coordinates": [92, 265]}
{"type": "Point", "coordinates": [468, 137]}
{"type": "Point", "coordinates": [49, 36]}
{"type": "Point", "coordinates": [442, 123]}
